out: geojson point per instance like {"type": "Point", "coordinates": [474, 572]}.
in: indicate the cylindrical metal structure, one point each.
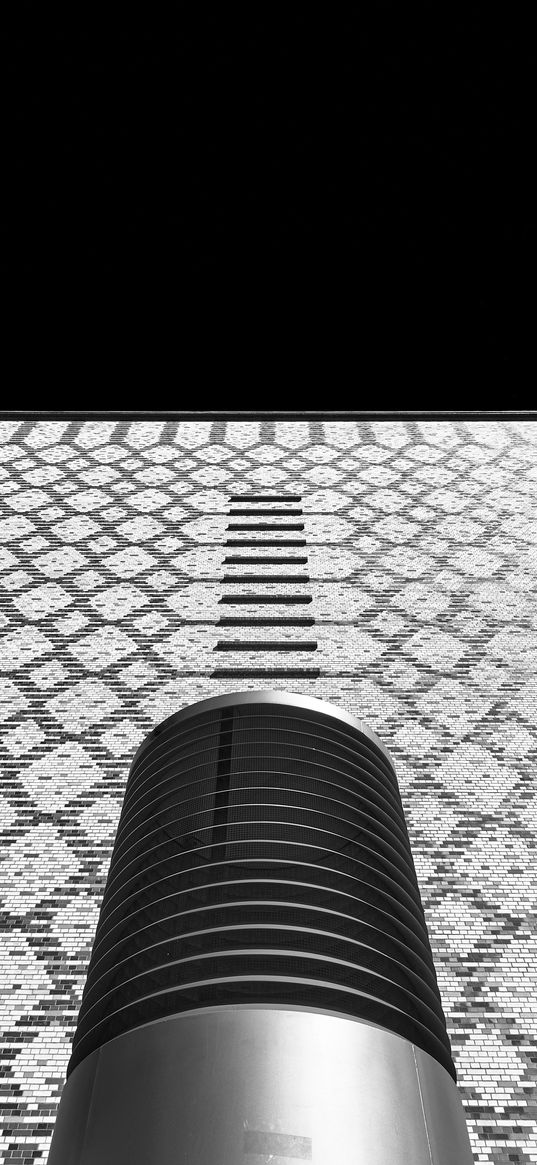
{"type": "Point", "coordinates": [261, 986]}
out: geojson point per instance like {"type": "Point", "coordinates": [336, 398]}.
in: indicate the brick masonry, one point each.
{"type": "Point", "coordinates": [422, 571]}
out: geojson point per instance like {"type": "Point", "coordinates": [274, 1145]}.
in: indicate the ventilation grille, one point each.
{"type": "Point", "coordinates": [261, 857]}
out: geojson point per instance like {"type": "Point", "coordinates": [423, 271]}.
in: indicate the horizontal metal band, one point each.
{"type": "Point", "coordinates": [332, 783]}
{"type": "Point", "coordinates": [254, 814]}
{"type": "Point", "coordinates": [318, 886]}
{"type": "Point", "coordinates": [146, 927]}
{"type": "Point", "coordinates": [384, 984]}
{"type": "Point", "coordinates": [370, 1096]}
{"type": "Point", "coordinates": [262, 988]}
{"type": "Point", "coordinates": [268, 941]}
{"type": "Point", "coordinates": [277, 834]}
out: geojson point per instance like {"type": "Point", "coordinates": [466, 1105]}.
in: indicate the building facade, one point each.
{"type": "Point", "coordinates": [389, 568]}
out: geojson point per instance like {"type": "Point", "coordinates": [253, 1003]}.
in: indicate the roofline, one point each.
{"type": "Point", "coordinates": [274, 415]}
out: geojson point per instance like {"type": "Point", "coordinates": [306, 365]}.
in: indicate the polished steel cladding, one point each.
{"type": "Point", "coordinates": [261, 923]}
{"type": "Point", "coordinates": [252, 1085]}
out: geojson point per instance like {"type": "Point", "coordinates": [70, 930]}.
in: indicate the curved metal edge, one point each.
{"type": "Point", "coordinates": [350, 1088]}
{"type": "Point", "coordinates": [267, 696]}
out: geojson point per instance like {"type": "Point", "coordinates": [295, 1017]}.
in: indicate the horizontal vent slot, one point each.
{"type": "Point", "coordinates": [264, 988]}
{"type": "Point", "coordinates": [242, 498]}
{"type": "Point", "coordinates": [277, 673]}
{"type": "Point", "coordinates": [265, 526]}
{"type": "Point", "coordinates": [265, 645]}
{"type": "Point", "coordinates": [241, 512]}
{"type": "Point", "coordinates": [283, 600]}
{"type": "Point", "coordinates": [294, 578]}
{"type": "Point", "coordinates": [272, 559]}
{"type": "Point", "coordinates": [259, 621]}
{"type": "Point", "coordinates": [304, 887]}
{"type": "Point", "coordinates": [182, 916]}
{"type": "Point", "coordinates": [265, 542]}
{"type": "Point", "coordinates": [267, 950]}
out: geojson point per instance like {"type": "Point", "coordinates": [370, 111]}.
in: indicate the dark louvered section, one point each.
{"type": "Point", "coordinates": [262, 857]}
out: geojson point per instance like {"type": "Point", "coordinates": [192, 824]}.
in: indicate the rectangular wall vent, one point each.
{"type": "Point", "coordinates": [265, 526]}
{"type": "Point", "coordinates": [265, 542]}
{"type": "Point", "coordinates": [267, 621]}
{"type": "Point", "coordinates": [278, 512]}
{"type": "Point", "coordinates": [242, 498]}
{"type": "Point", "coordinates": [253, 599]}
{"type": "Point", "coordinates": [265, 645]}
{"type": "Point", "coordinates": [267, 560]}
{"type": "Point", "coordinates": [251, 578]}
{"type": "Point", "coordinates": [276, 673]}
{"type": "Point", "coordinates": [272, 533]}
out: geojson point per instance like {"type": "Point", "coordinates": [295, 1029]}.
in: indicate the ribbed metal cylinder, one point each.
{"type": "Point", "coordinates": [262, 860]}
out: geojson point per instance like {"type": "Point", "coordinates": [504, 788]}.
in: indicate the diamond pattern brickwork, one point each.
{"type": "Point", "coordinates": [422, 565]}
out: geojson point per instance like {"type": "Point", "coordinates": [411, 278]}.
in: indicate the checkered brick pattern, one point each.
{"type": "Point", "coordinates": [422, 571]}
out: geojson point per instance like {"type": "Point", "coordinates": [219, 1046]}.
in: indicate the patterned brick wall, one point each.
{"type": "Point", "coordinates": [422, 572]}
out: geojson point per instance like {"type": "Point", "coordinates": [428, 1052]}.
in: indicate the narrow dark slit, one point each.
{"type": "Point", "coordinates": [265, 645]}
{"type": "Point", "coordinates": [268, 621]}
{"type": "Point", "coordinates": [250, 578]}
{"type": "Point", "coordinates": [265, 542]}
{"type": "Point", "coordinates": [278, 512]}
{"type": "Point", "coordinates": [272, 559]}
{"type": "Point", "coordinates": [279, 673]}
{"type": "Point", "coordinates": [223, 778]}
{"type": "Point", "coordinates": [252, 599]}
{"type": "Point", "coordinates": [265, 526]}
{"type": "Point", "coordinates": [265, 498]}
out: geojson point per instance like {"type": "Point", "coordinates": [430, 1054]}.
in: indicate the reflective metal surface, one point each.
{"type": "Point", "coordinates": [248, 1086]}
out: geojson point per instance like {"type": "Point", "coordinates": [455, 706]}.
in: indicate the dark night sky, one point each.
{"type": "Point", "coordinates": [394, 148]}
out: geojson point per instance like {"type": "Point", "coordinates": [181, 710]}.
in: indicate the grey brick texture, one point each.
{"type": "Point", "coordinates": [420, 540]}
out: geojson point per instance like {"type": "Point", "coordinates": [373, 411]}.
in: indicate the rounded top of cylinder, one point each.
{"type": "Point", "coordinates": [320, 708]}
